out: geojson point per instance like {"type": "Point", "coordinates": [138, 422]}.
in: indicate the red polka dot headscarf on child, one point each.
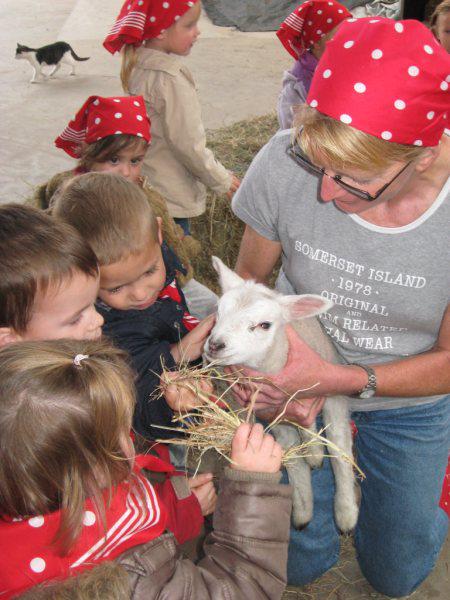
{"type": "Point", "coordinates": [100, 117]}
{"type": "Point", "coordinates": [308, 23]}
{"type": "Point", "coordinates": [386, 78]}
{"type": "Point", "coordinates": [141, 20]}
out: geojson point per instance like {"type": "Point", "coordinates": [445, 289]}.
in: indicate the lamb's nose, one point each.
{"type": "Point", "coordinates": [215, 345]}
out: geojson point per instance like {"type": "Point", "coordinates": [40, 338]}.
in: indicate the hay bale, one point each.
{"type": "Point", "coordinates": [218, 230]}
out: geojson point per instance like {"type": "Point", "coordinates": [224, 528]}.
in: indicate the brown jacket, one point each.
{"type": "Point", "coordinates": [245, 555]}
{"type": "Point", "coordinates": [178, 163]}
{"type": "Point", "coordinates": [185, 247]}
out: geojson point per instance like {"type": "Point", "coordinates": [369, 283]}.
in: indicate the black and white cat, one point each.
{"type": "Point", "coordinates": [52, 55]}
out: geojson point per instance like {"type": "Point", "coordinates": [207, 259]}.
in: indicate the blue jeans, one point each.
{"type": "Point", "coordinates": [401, 529]}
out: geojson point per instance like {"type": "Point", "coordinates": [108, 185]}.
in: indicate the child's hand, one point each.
{"type": "Point", "coordinates": [235, 183]}
{"type": "Point", "coordinates": [254, 450]}
{"type": "Point", "coordinates": [203, 487]}
{"type": "Point", "coordinates": [179, 397]}
{"type": "Point", "coordinates": [191, 346]}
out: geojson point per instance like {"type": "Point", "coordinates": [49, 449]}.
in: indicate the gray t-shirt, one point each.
{"type": "Point", "coordinates": [389, 285]}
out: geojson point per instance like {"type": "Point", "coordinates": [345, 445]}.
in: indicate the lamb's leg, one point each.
{"type": "Point", "coordinates": [314, 451]}
{"type": "Point", "coordinates": [299, 475]}
{"type": "Point", "coordinates": [36, 78]}
{"type": "Point", "coordinates": [336, 416]}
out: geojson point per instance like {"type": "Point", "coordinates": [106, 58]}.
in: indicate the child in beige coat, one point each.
{"type": "Point", "coordinates": [153, 35]}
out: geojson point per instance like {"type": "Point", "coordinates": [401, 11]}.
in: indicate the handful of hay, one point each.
{"type": "Point", "coordinates": [213, 423]}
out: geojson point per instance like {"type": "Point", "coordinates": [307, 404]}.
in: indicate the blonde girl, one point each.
{"type": "Point", "coordinates": [153, 35]}
{"type": "Point", "coordinates": [73, 495]}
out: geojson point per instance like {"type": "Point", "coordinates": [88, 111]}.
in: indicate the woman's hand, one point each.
{"type": "Point", "coordinates": [305, 372]}
{"type": "Point", "coordinates": [191, 346]}
{"type": "Point", "coordinates": [254, 450]}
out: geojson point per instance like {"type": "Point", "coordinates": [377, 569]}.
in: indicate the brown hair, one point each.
{"type": "Point", "coordinates": [112, 214]}
{"type": "Point", "coordinates": [129, 59]}
{"type": "Point", "coordinates": [441, 9]}
{"type": "Point", "coordinates": [63, 429]}
{"type": "Point", "coordinates": [35, 252]}
{"type": "Point", "coordinates": [341, 146]}
{"type": "Point", "coordinates": [108, 147]}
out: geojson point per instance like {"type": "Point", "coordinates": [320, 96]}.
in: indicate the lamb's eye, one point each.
{"type": "Point", "coordinates": [265, 325]}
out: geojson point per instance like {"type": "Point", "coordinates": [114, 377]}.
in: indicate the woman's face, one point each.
{"type": "Point", "coordinates": [331, 191]}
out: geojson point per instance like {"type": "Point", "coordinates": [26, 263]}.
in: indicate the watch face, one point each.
{"type": "Point", "coordinates": [367, 394]}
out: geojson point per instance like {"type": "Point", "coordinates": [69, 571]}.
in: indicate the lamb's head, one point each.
{"type": "Point", "coordinates": [251, 319]}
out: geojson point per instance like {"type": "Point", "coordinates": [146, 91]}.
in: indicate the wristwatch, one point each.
{"type": "Point", "coordinates": [369, 389]}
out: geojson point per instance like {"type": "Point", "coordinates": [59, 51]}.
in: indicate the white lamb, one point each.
{"type": "Point", "coordinates": [250, 331]}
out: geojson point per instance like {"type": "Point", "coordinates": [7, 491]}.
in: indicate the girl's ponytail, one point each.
{"type": "Point", "coordinates": [129, 58]}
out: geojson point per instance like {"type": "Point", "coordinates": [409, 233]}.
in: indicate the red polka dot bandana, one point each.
{"type": "Point", "coordinates": [135, 516]}
{"type": "Point", "coordinates": [387, 78]}
{"type": "Point", "coordinates": [308, 23]}
{"type": "Point", "coordinates": [141, 20]}
{"type": "Point", "coordinates": [100, 117]}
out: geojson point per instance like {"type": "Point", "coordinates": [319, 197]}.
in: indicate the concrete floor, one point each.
{"type": "Point", "coordinates": [238, 76]}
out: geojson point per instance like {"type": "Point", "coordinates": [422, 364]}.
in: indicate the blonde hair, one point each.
{"type": "Point", "coordinates": [129, 59]}
{"type": "Point", "coordinates": [340, 146]}
{"type": "Point", "coordinates": [112, 214]}
{"type": "Point", "coordinates": [441, 9]}
{"type": "Point", "coordinates": [63, 428]}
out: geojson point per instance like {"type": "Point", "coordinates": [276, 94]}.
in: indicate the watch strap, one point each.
{"type": "Point", "coordinates": [369, 389]}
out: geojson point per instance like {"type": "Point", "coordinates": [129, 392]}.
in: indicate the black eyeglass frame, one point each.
{"type": "Point", "coordinates": [297, 155]}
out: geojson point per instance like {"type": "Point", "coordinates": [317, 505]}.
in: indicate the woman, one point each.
{"type": "Point", "coordinates": [358, 206]}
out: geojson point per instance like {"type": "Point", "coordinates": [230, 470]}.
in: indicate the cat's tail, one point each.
{"type": "Point", "coordinates": [76, 57]}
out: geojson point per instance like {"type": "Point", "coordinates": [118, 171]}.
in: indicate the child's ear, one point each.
{"type": "Point", "coordinates": [160, 232]}
{"type": "Point", "coordinates": [8, 336]}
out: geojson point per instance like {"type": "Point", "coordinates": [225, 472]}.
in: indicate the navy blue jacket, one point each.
{"type": "Point", "coordinates": [147, 335]}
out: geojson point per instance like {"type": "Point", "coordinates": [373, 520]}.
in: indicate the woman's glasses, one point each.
{"type": "Point", "coordinates": [297, 155]}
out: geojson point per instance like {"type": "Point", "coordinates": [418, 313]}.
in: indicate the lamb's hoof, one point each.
{"type": "Point", "coordinates": [300, 521]}
{"type": "Point", "coordinates": [315, 457]}
{"type": "Point", "coordinates": [346, 514]}
{"type": "Point", "coordinates": [302, 512]}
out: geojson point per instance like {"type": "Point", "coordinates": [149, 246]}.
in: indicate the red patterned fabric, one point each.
{"type": "Point", "coordinates": [135, 516]}
{"type": "Point", "coordinates": [141, 20]}
{"type": "Point", "coordinates": [171, 291]}
{"type": "Point", "coordinates": [100, 117]}
{"type": "Point", "coordinates": [387, 78]}
{"type": "Point", "coordinates": [308, 23]}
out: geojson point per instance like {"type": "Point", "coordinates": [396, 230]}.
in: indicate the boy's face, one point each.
{"type": "Point", "coordinates": [128, 163]}
{"type": "Point", "coordinates": [66, 310]}
{"type": "Point", "coordinates": [134, 282]}
{"type": "Point", "coordinates": [183, 34]}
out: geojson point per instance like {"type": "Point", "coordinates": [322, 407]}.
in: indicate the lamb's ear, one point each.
{"type": "Point", "coordinates": [305, 305]}
{"type": "Point", "coordinates": [227, 278]}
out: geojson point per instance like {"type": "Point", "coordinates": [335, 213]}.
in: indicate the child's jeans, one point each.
{"type": "Point", "coordinates": [401, 529]}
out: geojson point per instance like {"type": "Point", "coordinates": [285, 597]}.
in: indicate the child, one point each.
{"type": "Point", "coordinates": [440, 23]}
{"type": "Point", "coordinates": [94, 138]}
{"type": "Point", "coordinates": [74, 495]}
{"type": "Point", "coordinates": [48, 279]}
{"type": "Point", "coordinates": [153, 34]}
{"type": "Point", "coordinates": [143, 306]}
{"type": "Point", "coordinates": [304, 34]}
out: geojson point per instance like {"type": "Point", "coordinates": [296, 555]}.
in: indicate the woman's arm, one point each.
{"type": "Point", "coordinates": [257, 256]}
